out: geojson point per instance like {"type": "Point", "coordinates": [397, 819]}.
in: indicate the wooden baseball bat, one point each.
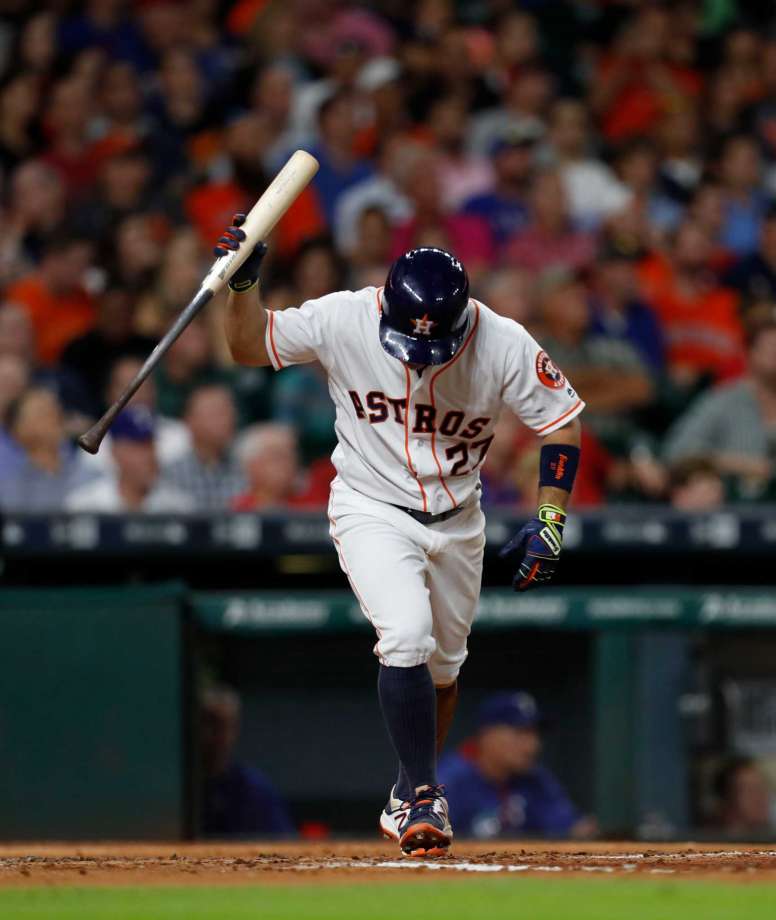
{"type": "Point", "coordinates": [267, 211]}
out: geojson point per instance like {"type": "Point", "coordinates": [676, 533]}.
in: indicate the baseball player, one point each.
{"type": "Point", "coordinates": [418, 372]}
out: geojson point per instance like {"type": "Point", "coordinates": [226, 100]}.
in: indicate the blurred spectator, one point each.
{"type": "Point", "coordinates": [92, 355]}
{"type": "Point", "coordinates": [754, 276]}
{"type": "Point", "coordinates": [608, 372]}
{"type": "Point", "coordinates": [171, 436]}
{"type": "Point", "coordinates": [462, 174]}
{"type": "Point", "coordinates": [637, 82]}
{"type": "Point", "coordinates": [618, 310]}
{"type": "Point", "coordinates": [340, 168]}
{"type": "Point", "coordinates": [432, 224]}
{"type": "Point", "coordinates": [505, 206]}
{"type": "Point", "coordinates": [70, 151]}
{"type": "Point", "coordinates": [733, 424]}
{"type": "Point", "coordinates": [524, 107]}
{"type": "Point", "coordinates": [36, 211]}
{"type": "Point", "coordinates": [55, 298]}
{"type": "Point", "coordinates": [14, 380]}
{"type": "Point", "coordinates": [384, 190]}
{"type": "Point", "coordinates": [744, 798]}
{"type": "Point", "coordinates": [188, 365]}
{"type": "Point", "coordinates": [208, 473]}
{"type": "Point", "coordinates": [496, 785]}
{"type": "Point", "coordinates": [549, 240]}
{"type": "Point", "coordinates": [19, 96]}
{"type": "Point", "coordinates": [695, 485]}
{"type": "Point", "coordinates": [371, 261]}
{"type": "Point", "coordinates": [51, 467]}
{"type": "Point", "coordinates": [236, 799]}
{"type": "Point", "coordinates": [743, 199]}
{"type": "Point", "coordinates": [210, 206]}
{"type": "Point", "coordinates": [135, 484]}
{"type": "Point", "coordinates": [592, 189]}
{"type": "Point", "coordinates": [703, 333]}
{"type": "Point", "coordinates": [269, 457]}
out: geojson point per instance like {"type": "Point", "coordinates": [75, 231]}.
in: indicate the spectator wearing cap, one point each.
{"type": "Point", "coordinates": [734, 425]}
{"type": "Point", "coordinates": [209, 473]}
{"type": "Point", "coordinates": [619, 312]}
{"type": "Point", "coordinates": [134, 485]}
{"type": "Point", "coordinates": [51, 467]}
{"type": "Point", "coordinates": [505, 206]}
{"type": "Point", "coordinates": [496, 786]}
{"type": "Point", "coordinates": [594, 192]}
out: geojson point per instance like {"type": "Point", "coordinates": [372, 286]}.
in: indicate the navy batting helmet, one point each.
{"type": "Point", "coordinates": [424, 317]}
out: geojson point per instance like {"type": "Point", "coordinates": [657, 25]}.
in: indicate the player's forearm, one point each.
{"type": "Point", "coordinates": [568, 436]}
{"type": "Point", "coordinates": [245, 326]}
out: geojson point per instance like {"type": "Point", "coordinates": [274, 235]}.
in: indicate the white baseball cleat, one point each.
{"type": "Point", "coordinates": [394, 817]}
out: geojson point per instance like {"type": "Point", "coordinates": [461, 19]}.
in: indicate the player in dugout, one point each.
{"type": "Point", "coordinates": [418, 371]}
{"type": "Point", "coordinates": [497, 785]}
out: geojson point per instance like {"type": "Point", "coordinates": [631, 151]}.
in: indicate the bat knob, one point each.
{"type": "Point", "coordinates": [89, 441]}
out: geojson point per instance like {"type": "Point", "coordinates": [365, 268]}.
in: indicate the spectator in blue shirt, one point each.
{"type": "Point", "coordinates": [238, 800]}
{"type": "Point", "coordinates": [339, 169]}
{"type": "Point", "coordinates": [505, 207]}
{"type": "Point", "coordinates": [745, 204]}
{"type": "Point", "coordinates": [496, 786]}
{"type": "Point", "coordinates": [755, 275]}
{"type": "Point", "coordinates": [617, 309]}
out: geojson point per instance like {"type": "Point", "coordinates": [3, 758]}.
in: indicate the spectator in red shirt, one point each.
{"type": "Point", "coordinates": [269, 456]}
{"type": "Point", "coordinates": [469, 237]}
{"type": "Point", "coordinates": [703, 333]}
{"type": "Point", "coordinates": [638, 83]}
{"type": "Point", "coordinates": [549, 240]}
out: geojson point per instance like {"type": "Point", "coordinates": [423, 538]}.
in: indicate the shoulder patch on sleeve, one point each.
{"type": "Point", "coordinates": [548, 373]}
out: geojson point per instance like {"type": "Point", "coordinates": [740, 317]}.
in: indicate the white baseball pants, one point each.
{"type": "Point", "coordinates": [417, 584]}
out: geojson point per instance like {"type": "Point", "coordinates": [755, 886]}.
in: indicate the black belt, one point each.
{"type": "Point", "coordinates": [426, 517]}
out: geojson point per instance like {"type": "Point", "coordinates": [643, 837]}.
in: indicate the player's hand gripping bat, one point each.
{"type": "Point", "coordinates": [267, 211]}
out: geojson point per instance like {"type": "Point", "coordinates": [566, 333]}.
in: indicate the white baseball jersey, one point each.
{"type": "Point", "coordinates": [418, 439]}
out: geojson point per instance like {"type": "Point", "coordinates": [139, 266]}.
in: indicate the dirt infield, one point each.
{"type": "Point", "coordinates": [207, 864]}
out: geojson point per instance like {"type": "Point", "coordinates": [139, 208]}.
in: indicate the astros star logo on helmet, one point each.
{"type": "Point", "coordinates": [424, 325]}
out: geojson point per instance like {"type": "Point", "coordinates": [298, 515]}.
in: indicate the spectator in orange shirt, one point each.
{"type": "Point", "coordinates": [211, 206]}
{"type": "Point", "coordinates": [58, 304]}
{"type": "Point", "coordinates": [703, 332]}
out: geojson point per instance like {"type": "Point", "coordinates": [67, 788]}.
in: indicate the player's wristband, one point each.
{"type": "Point", "coordinates": [242, 287]}
{"type": "Point", "coordinates": [558, 466]}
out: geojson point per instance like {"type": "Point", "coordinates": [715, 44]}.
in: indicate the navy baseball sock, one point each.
{"type": "Point", "coordinates": [408, 702]}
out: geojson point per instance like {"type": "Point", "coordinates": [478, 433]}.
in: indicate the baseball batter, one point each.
{"type": "Point", "coordinates": [419, 372]}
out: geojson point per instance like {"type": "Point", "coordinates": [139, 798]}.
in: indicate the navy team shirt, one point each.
{"type": "Point", "coordinates": [533, 803]}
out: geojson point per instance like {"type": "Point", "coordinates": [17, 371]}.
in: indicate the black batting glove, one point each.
{"type": "Point", "coordinates": [537, 546]}
{"type": "Point", "coordinates": [248, 273]}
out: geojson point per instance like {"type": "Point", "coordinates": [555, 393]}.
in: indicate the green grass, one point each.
{"type": "Point", "coordinates": [459, 899]}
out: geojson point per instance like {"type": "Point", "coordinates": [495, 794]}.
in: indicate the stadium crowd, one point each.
{"type": "Point", "coordinates": [605, 169]}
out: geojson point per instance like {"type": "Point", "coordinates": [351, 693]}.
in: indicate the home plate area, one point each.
{"type": "Point", "coordinates": [152, 864]}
